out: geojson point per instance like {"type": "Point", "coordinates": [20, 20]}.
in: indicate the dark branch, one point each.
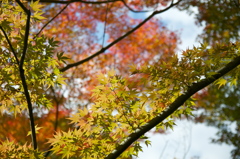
{"type": "Point", "coordinates": [22, 6]}
{"type": "Point", "coordinates": [25, 38]}
{"type": "Point", "coordinates": [30, 110]}
{"type": "Point", "coordinates": [57, 109]}
{"type": "Point", "coordinates": [118, 39]}
{"type": "Point", "coordinates": [89, 2]}
{"type": "Point", "coordinates": [52, 19]}
{"type": "Point", "coordinates": [173, 107]}
{"type": "Point", "coordinates": [10, 45]}
{"type": "Point", "coordinates": [142, 11]}
{"type": "Point", "coordinates": [47, 153]}
{"type": "Point", "coordinates": [73, 1]}
{"type": "Point", "coordinates": [22, 74]}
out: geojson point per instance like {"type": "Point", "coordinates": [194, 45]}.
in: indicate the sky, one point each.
{"type": "Point", "coordinates": [187, 140]}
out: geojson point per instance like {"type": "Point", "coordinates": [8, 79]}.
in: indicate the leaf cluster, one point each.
{"type": "Point", "coordinates": [10, 149]}
{"type": "Point", "coordinates": [41, 68]}
{"type": "Point", "coordinates": [120, 108]}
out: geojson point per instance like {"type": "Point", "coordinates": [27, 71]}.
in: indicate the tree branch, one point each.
{"type": "Point", "coordinates": [73, 1]}
{"type": "Point", "coordinates": [47, 153]}
{"type": "Point", "coordinates": [117, 40]}
{"type": "Point", "coordinates": [22, 6]}
{"type": "Point", "coordinates": [89, 2]}
{"type": "Point", "coordinates": [30, 110]}
{"type": "Point", "coordinates": [57, 109]}
{"type": "Point", "coordinates": [105, 25]}
{"type": "Point", "coordinates": [105, 17]}
{"type": "Point", "coordinates": [28, 12]}
{"type": "Point", "coordinates": [173, 107]}
{"type": "Point", "coordinates": [22, 74]}
{"type": "Point", "coordinates": [25, 39]}
{"type": "Point", "coordinates": [52, 19]}
{"type": "Point", "coordinates": [9, 43]}
{"type": "Point", "coordinates": [135, 11]}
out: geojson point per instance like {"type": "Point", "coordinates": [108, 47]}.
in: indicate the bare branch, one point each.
{"type": "Point", "coordinates": [91, 2]}
{"type": "Point", "coordinates": [105, 25]}
{"type": "Point", "coordinates": [57, 109]}
{"type": "Point", "coordinates": [173, 107]}
{"type": "Point", "coordinates": [142, 11]}
{"type": "Point", "coordinates": [73, 1]}
{"type": "Point", "coordinates": [9, 43]}
{"type": "Point", "coordinates": [117, 40]}
{"type": "Point", "coordinates": [52, 19]}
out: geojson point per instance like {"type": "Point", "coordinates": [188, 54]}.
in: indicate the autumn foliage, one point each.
{"type": "Point", "coordinates": [92, 77]}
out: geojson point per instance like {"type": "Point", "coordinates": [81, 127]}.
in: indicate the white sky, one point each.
{"type": "Point", "coordinates": [185, 135]}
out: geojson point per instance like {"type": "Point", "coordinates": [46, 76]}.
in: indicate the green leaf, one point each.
{"type": "Point", "coordinates": [36, 129]}
{"type": "Point", "coordinates": [147, 142]}
{"type": "Point", "coordinates": [221, 82]}
{"type": "Point", "coordinates": [233, 82]}
{"type": "Point", "coordinates": [36, 6]}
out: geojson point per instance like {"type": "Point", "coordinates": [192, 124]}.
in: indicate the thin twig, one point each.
{"type": "Point", "coordinates": [118, 39]}
{"type": "Point", "coordinates": [51, 20]}
{"type": "Point", "coordinates": [136, 11]}
{"type": "Point", "coordinates": [48, 152]}
{"type": "Point", "coordinates": [57, 109]}
{"type": "Point", "coordinates": [160, 157]}
{"type": "Point", "coordinates": [124, 112]}
{"type": "Point", "coordinates": [237, 3]}
{"type": "Point", "coordinates": [105, 26]}
{"type": "Point", "coordinates": [9, 43]}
